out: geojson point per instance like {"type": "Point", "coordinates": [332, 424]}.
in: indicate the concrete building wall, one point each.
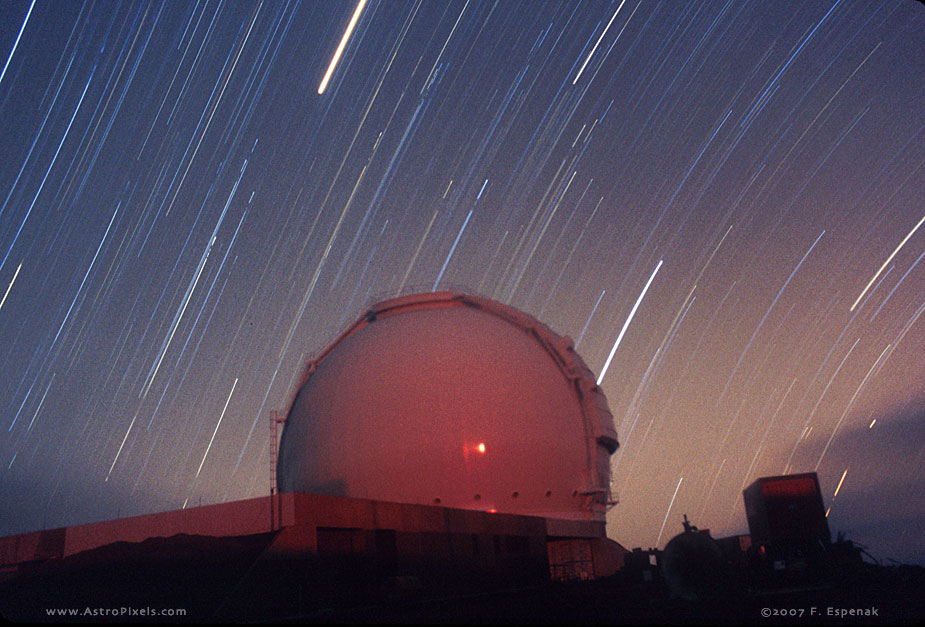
{"type": "Point", "coordinates": [247, 517]}
{"type": "Point", "coordinates": [433, 530]}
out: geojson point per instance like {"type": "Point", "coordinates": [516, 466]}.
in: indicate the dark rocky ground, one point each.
{"type": "Point", "coordinates": [221, 579]}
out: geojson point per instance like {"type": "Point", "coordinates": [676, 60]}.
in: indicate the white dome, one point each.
{"type": "Point", "coordinates": [454, 400]}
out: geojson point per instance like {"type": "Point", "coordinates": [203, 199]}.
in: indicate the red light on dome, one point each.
{"type": "Point", "coordinates": [481, 447]}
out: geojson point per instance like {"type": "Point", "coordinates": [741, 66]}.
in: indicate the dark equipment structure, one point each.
{"type": "Point", "coordinates": [789, 547]}
{"type": "Point", "coordinates": [786, 509]}
{"type": "Point", "coordinates": [791, 541]}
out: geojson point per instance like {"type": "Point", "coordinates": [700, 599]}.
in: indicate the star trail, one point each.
{"type": "Point", "coordinates": [196, 197]}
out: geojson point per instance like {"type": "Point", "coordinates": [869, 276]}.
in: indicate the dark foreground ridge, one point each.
{"type": "Point", "coordinates": [198, 579]}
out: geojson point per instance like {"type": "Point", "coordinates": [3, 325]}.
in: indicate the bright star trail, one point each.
{"type": "Point", "coordinates": [887, 262]}
{"type": "Point", "coordinates": [16, 43]}
{"type": "Point", "coordinates": [598, 42]}
{"type": "Point", "coordinates": [10, 286]}
{"type": "Point", "coordinates": [198, 197]}
{"type": "Point", "coordinates": [341, 46]}
{"type": "Point", "coordinates": [629, 319]}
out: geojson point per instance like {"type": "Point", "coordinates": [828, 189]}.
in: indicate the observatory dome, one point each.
{"type": "Point", "coordinates": [449, 399]}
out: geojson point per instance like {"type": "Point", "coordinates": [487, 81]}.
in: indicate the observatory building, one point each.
{"type": "Point", "coordinates": [444, 444]}
{"type": "Point", "coordinates": [452, 400]}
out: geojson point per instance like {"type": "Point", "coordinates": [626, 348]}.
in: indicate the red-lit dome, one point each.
{"type": "Point", "coordinates": [454, 400]}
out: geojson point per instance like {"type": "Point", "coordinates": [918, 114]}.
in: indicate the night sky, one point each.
{"type": "Point", "coordinates": [185, 221]}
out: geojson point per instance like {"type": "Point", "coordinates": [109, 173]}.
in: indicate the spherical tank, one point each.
{"type": "Point", "coordinates": [452, 400]}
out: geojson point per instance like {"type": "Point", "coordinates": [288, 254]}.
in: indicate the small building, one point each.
{"type": "Point", "coordinates": [790, 538]}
